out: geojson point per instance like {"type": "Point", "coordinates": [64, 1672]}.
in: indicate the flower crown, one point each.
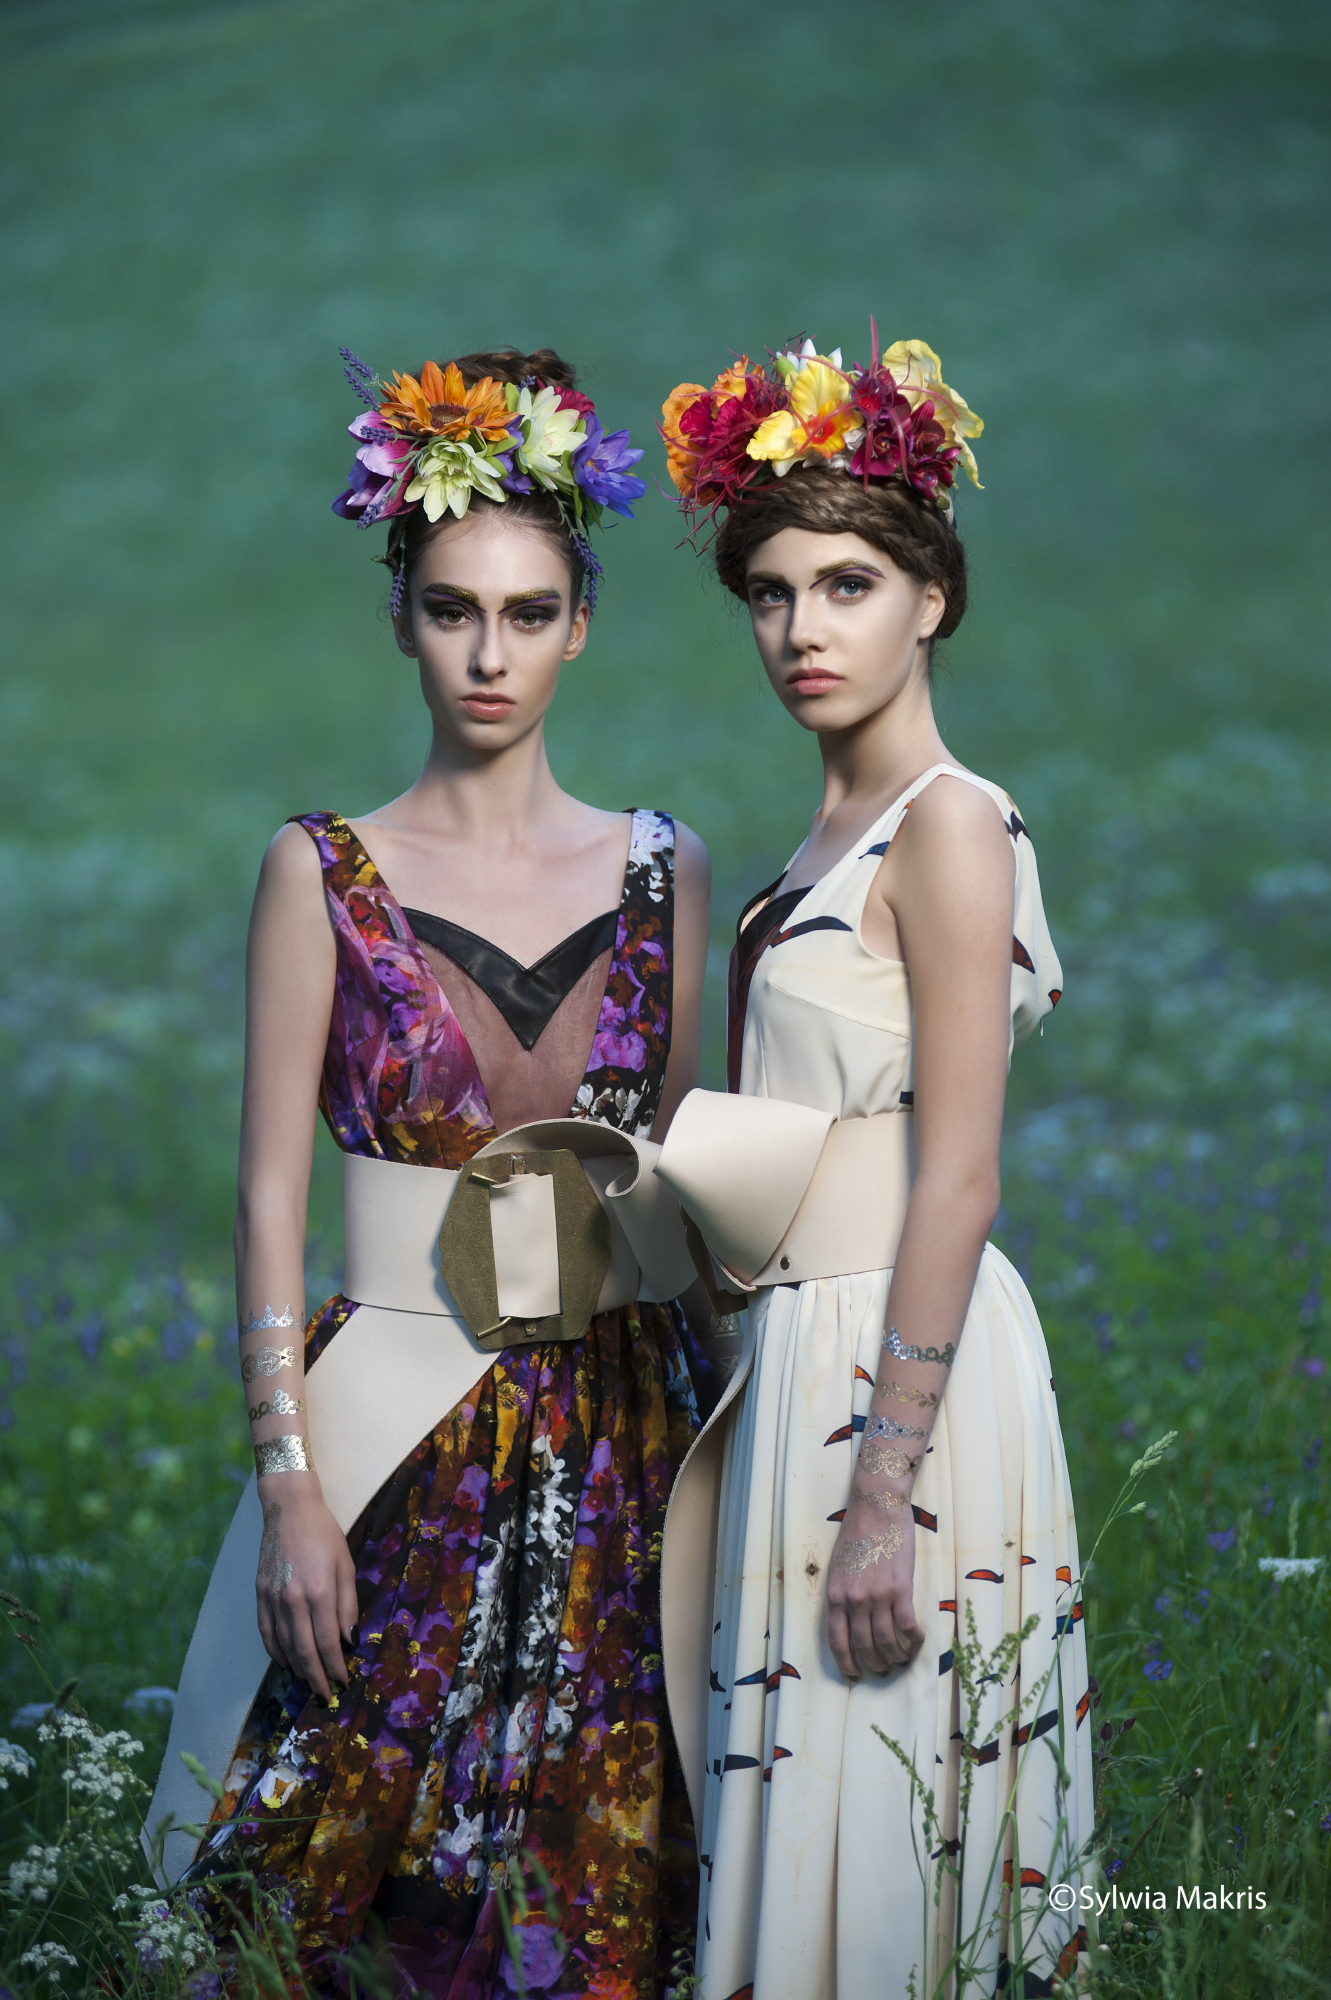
{"type": "Point", "coordinates": [895, 419]}
{"type": "Point", "coordinates": [432, 443]}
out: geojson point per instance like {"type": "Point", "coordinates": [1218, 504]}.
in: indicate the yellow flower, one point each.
{"type": "Point", "coordinates": [919, 372]}
{"type": "Point", "coordinates": [815, 425]}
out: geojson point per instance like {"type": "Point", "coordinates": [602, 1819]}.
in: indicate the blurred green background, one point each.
{"type": "Point", "coordinates": [1104, 219]}
{"type": "Point", "coordinates": [1110, 221]}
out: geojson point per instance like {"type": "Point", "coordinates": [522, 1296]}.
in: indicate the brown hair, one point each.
{"type": "Point", "coordinates": [408, 540]}
{"type": "Point", "coordinates": [919, 539]}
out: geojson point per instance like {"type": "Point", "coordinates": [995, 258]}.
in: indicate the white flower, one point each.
{"type": "Point", "coordinates": [448, 472]}
{"type": "Point", "coordinates": [32, 1879]}
{"type": "Point", "coordinates": [47, 1959]}
{"type": "Point", "coordinates": [1281, 1567]}
{"type": "Point", "coordinates": [550, 436]}
{"type": "Point", "coordinates": [14, 1762]}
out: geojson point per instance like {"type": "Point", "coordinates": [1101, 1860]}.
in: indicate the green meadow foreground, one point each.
{"type": "Point", "coordinates": [1104, 226]}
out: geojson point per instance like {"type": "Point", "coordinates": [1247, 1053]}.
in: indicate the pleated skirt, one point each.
{"type": "Point", "coordinates": [835, 1865]}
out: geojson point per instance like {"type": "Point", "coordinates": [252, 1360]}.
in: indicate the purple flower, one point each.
{"type": "Point", "coordinates": [1314, 1365]}
{"type": "Point", "coordinates": [599, 466]}
{"type": "Point", "coordinates": [1162, 1603]}
{"type": "Point", "coordinates": [377, 473]}
{"type": "Point", "coordinates": [1326, 1824]}
{"type": "Point", "coordinates": [1312, 1455]}
{"type": "Point", "coordinates": [1223, 1538]}
{"type": "Point", "coordinates": [1158, 1670]}
{"type": "Point", "coordinates": [1193, 1358]}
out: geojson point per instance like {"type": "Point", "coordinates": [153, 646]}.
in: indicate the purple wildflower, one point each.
{"type": "Point", "coordinates": [1312, 1455]}
{"type": "Point", "coordinates": [1162, 1603]}
{"type": "Point", "coordinates": [600, 468]}
{"type": "Point", "coordinates": [591, 562]}
{"type": "Point", "coordinates": [1223, 1538]}
{"type": "Point", "coordinates": [359, 376]}
{"type": "Point", "coordinates": [1326, 1824]}
{"type": "Point", "coordinates": [1193, 1358]}
{"type": "Point", "coordinates": [399, 589]}
{"type": "Point", "coordinates": [1314, 1365]}
{"type": "Point", "coordinates": [1158, 1670]}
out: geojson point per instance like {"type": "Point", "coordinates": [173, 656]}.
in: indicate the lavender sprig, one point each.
{"type": "Point", "coordinates": [592, 563]}
{"type": "Point", "coordinates": [359, 376]}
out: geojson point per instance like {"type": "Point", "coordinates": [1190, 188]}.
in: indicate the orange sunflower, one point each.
{"type": "Point", "coordinates": [441, 405]}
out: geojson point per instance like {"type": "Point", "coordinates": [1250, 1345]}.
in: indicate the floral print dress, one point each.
{"type": "Point", "coordinates": [506, 1701]}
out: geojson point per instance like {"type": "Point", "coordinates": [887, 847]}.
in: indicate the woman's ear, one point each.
{"type": "Point", "coordinates": [402, 627]}
{"type": "Point", "coordinates": [577, 636]}
{"type": "Point", "coordinates": [932, 606]}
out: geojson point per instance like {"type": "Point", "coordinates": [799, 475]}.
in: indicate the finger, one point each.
{"type": "Point", "coordinates": [910, 1633]}
{"type": "Point", "coordinates": [862, 1639]}
{"type": "Point", "coordinates": [323, 1618]}
{"type": "Point", "coordinates": [272, 1645]}
{"type": "Point", "coordinates": [887, 1639]}
{"type": "Point", "coordinates": [298, 1640]}
{"type": "Point", "coordinates": [838, 1638]}
{"type": "Point", "coordinates": [348, 1604]}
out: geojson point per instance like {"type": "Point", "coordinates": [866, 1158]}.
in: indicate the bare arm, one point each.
{"type": "Point", "coordinates": [693, 923]}
{"type": "Point", "coordinates": [306, 1581]}
{"type": "Point", "coordinates": [949, 888]}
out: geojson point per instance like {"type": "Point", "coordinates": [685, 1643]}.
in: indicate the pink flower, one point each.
{"type": "Point", "coordinates": [378, 473]}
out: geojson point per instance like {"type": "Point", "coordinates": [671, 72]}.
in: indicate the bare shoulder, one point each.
{"type": "Point", "coordinates": [693, 864]}
{"type": "Point", "coordinates": [956, 824]}
{"type": "Point", "coordinates": [290, 873]}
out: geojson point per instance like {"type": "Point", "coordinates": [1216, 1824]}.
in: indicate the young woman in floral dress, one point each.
{"type": "Point", "coordinates": [469, 1680]}
{"type": "Point", "coordinates": [897, 1556]}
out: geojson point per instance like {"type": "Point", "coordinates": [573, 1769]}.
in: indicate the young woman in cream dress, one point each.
{"type": "Point", "coordinates": [897, 1555]}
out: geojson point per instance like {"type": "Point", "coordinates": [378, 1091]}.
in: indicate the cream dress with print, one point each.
{"type": "Point", "coordinates": [819, 1870]}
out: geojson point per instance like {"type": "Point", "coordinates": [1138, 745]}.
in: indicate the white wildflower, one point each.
{"type": "Point", "coordinates": [14, 1762]}
{"type": "Point", "coordinates": [46, 1961]}
{"type": "Point", "coordinates": [1281, 1567]}
{"type": "Point", "coordinates": [168, 1937]}
{"type": "Point", "coordinates": [32, 1879]}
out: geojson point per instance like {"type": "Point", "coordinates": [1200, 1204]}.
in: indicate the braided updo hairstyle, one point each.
{"type": "Point", "coordinates": [918, 538]}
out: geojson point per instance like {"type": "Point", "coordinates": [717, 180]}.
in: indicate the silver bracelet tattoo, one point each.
{"type": "Point", "coordinates": [266, 1362]}
{"type": "Point", "coordinates": [896, 1346]}
{"type": "Point", "coordinates": [284, 1454]}
{"type": "Point", "coordinates": [888, 1427]}
{"type": "Point", "coordinates": [270, 1318]}
{"type": "Point", "coordinates": [282, 1405]}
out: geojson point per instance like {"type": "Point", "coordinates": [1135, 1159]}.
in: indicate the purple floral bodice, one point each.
{"type": "Point", "coordinates": [400, 1081]}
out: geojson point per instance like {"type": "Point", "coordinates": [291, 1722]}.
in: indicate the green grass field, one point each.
{"type": "Point", "coordinates": [1106, 222]}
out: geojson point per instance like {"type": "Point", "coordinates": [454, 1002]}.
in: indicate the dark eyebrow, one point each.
{"type": "Point", "coordinates": [550, 592]}
{"type": "Point", "coordinates": [828, 569]}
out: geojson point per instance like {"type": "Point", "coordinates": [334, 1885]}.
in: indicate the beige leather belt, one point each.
{"type": "Point", "coordinates": [396, 1215]}
{"type": "Point", "coordinates": [781, 1192]}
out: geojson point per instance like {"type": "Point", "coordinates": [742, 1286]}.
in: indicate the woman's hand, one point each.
{"type": "Point", "coordinates": [306, 1586]}
{"type": "Point", "coordinates": [871, 1624]}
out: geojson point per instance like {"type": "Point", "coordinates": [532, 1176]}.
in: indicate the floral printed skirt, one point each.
{"type": "Point", "coordinates": [506, 1699]}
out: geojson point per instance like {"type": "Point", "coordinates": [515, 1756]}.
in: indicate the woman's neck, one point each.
{"type": "Point", "coordinates": [501, 798]}
{"type": "Point", "coordinates": [875, 760]}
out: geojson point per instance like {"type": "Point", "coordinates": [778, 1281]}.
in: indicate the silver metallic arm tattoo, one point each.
{"type": "Point", "coordinates": [266, 1362]}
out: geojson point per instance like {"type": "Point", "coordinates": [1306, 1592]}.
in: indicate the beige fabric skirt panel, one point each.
{"type": "Point", "coordinates": [819, 1872]}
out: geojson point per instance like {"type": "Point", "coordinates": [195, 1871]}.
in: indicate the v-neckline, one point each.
{"type": "Point", "coordinates": [444, 1005]}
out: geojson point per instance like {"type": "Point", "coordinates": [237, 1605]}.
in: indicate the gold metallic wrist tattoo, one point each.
{"type": "Point", "coordinates": [267, 1362]}
{"type": "Point", "coordinates": [923, 1399]}
{"type": "Point", "coordinates": [284, 1454]}
{"type": "Point", "coordinates": [887, 1461]}
{"type": "Point", "coordinates": [888, 1427]}
{"type": "Point", "coordinates": [901, 1349]}
{"type": "Point", "coordinates": [887, 1501]}
{"type": "Point", "coordinates": [856, 1557]}
{"type": "Point", "coordinates": [282, 1405]}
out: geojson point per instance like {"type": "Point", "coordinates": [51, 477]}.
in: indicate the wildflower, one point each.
{"type": "Point", "coordinates": [449, 471]}
{"type": "Point", "coordinates": [168, 1938]}
{"type": "Point", "coordinates": [1314, 1365]}
{"type": "Point", "coordinates": [151, 1700]}
{"type": "Point", "coordinates": [441, 405]}
{"type": "Point", "coordinates": [600, 468]}
{"type": "Point", "coordinates": [377, 473]}
{"type": "Point", "coordinates": [1158, 1670]}
{"type": "Point", "coordinates": [1223, 1538]}
{"type": "Point", "coordinates": [1326, 1824]}
{"type": "Point", "coordinates": [1282, 1567]}
{"type": "Point", "coordinates": [32, 1879]}
{"type": "Point", "coordinates": [14, 1762]}
{"type": "Point", "coordinates": [31, 1713]}
{"type": "Point", "coordinates": [1163, 1602]}
{"type": "Point", "coordinates": [818, 422]}
{"type": "Point", "coordinates": [1193, 1358]}
{"type": "Point", "coordinates": [1312, 1455]}
{"type": "Point", "coordinates": [47, 1961]}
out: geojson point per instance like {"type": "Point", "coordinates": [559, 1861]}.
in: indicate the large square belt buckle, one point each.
{"type": "Point", "coordinates": [470, 1239]}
